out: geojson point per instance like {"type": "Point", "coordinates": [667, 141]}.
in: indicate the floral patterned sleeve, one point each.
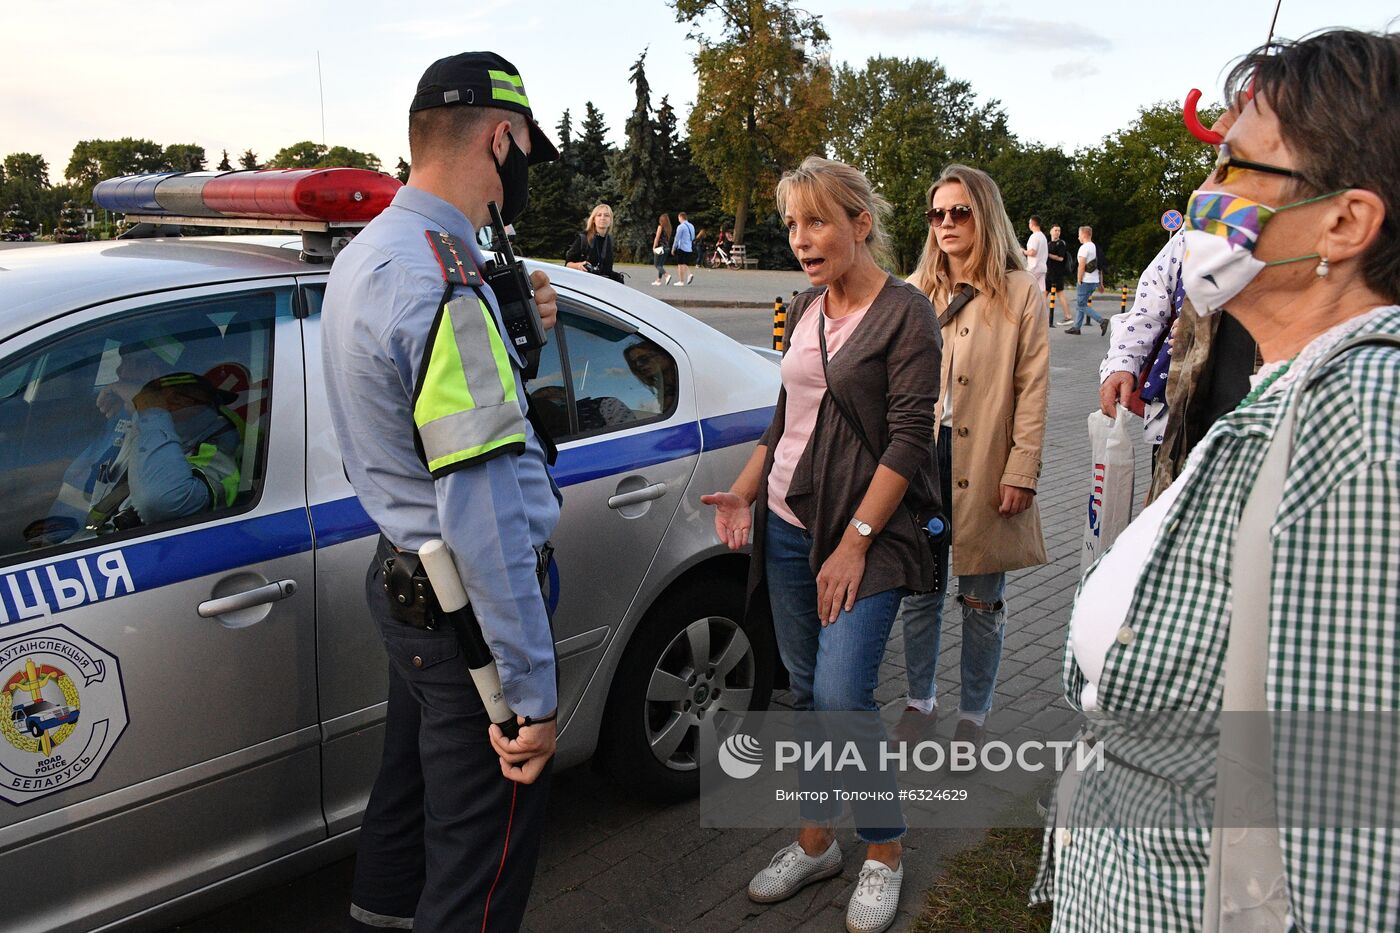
{"type": "Point", "coordinates": [1134, 333]}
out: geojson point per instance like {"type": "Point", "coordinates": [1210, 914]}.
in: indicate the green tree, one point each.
{"type": "Point", "coordinates": [183, 157]}
{"type": "Point", "coordinates": [401, 170]}
{"type": "Point", "coordinates": [638, 174]}
{"type": "Point", "coordinates": [1139, 172]}
{"type": "Point", "coordinates": [345, 157]}
{"type": "Point", "coordinates": [26, 167]}
{"type": "Point", "coordinates": [901, 121]}
{"type": "Point", "coordinates": [248, 160]}
{"type": "Point", "coordinates": [764, 91]}
{"type": "Point", "coordinates": [224, 164]}
{"type": "Point", "coordinates": [550, 222]}
{"type": "Point", "coordinates": [592, 182]}
{"type": "Point", "coordinates": [95, 159]}
{"type": "Point", "coordinates": [305, 154]}
{"type": "Point", "coordinates": [1042, 181]}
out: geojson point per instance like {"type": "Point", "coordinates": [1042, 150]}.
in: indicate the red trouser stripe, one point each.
{"type": "Point", "coordinates": [505, 849]}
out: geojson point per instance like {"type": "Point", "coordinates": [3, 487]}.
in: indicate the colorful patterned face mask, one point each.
{"type": "Point", "coordinates": [1221, 232]}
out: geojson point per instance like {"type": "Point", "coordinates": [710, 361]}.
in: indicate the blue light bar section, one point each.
{"type": "Point", "coordinates": [130, 194]}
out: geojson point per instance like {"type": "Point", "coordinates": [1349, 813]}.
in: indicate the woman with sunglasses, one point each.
{"type": "Point", "coordinates": [837, 481]}
{"type": "Point", "coordinates": [1265, 577]}
{"type": "Point", "coordinates": [991, 418]}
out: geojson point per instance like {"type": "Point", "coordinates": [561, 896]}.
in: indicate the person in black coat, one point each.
{"type": "Point", "coordinates": [592, 250]}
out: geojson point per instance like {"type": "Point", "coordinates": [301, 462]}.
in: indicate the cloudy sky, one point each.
{"type": "Point", "coordinates": [225, 76]}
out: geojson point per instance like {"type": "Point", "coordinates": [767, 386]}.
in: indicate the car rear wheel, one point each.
{"type": "Point", "coordinates": [693, 671]}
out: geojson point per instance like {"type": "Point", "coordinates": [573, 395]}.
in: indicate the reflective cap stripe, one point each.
{"type": "Point", "coordinates": [383, 921]}
{"type": "Point", "coordinates": [468, 406]}
{"type": "Point", "coordinates": [509, 87]}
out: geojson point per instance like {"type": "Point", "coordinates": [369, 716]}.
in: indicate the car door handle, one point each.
{"type": "Point", "coordinates": [247, 599]}
{"type": "Point", "coordinates": [645, 494]}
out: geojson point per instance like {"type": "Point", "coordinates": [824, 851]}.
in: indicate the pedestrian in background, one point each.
{"type": "Point", "coordinates": [991, 418]}
{"type": "Point", "coordinates": [660, 246]}
{"type": "Point", "coordinates": [684, 249]}
{"type": "Point", "coordinates": [837, 480]}
{"type": "Point", "coordinates": [1057, 273]}
{"type": "Point", "coordinates": [1089, 277]}
{"type": "Point", "coordinates": [592, 250]}
{"type": "Point", "coordinates": [1037, 253]}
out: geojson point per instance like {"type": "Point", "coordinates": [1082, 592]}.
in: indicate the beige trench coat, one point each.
{"type": "Point", "coordinates": [996, 365]}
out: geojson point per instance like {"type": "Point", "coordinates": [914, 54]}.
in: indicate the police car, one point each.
{"type": "Point", "coordinates": [225, 685]}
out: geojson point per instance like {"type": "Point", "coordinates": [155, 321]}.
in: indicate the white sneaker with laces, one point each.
{"type": "Point", "coordinates": [791, 870]}
{"type": "Point", "coordinates": [876, 898]}
{"type": "Point", "coordinates": [657, 282]}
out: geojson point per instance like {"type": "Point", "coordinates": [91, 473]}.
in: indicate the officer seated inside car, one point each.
{"type": "Point", "coordinates": [169, 450]}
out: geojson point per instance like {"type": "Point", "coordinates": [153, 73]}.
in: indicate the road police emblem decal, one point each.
{"type": "Point", "coordinates": [63, 712]}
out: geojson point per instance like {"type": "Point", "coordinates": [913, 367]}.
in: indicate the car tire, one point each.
{"type": "Point", "coordinates": [36, 730]}
{"type": "Point", "coordinates": [663, 706]}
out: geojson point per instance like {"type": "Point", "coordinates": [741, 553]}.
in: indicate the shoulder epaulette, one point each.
{"type": "Point", "coordinates": [454, 258]}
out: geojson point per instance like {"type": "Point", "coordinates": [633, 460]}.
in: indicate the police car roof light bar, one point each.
{"type": "Point", "coordinates": [333, 196]}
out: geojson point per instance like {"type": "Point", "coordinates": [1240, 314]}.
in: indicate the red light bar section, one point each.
{"type": "Point", "coordinates": [333, 195]}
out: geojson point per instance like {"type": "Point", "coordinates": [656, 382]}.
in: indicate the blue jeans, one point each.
{"type": "Point", "coordinates": [922, 619]}
{"type": "Point", "coordinates": [1082, 311]}
{"type": "Point", "coordinates": [983, 630]}
{"type": "Point", "coordinates": [831, 668]}
{"type": "Point", "coordinates": [659, 260]}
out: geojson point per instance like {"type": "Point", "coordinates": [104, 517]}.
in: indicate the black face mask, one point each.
{"type": "Point", "coordinates": [515, 182]}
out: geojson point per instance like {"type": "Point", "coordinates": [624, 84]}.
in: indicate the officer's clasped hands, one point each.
{"type": "Point", "coordinates": [524, 757]}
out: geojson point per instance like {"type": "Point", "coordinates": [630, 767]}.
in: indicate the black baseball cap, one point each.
{"type": "Point", "coordinates": [481, 79]}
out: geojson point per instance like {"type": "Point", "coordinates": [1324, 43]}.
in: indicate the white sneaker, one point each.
{"type": "Point", "coordinates": [656, 283]}
{"type": "Point", "coordinates": [667, 279]}
{"type": "Point", "coordinates": [690, 278]}
{"type": "Point", "coordinates": [680, 285]}
{"type": "Point", "coordinates": [791, 870]}
{"type": "Point", "coordinates": [876, 898]}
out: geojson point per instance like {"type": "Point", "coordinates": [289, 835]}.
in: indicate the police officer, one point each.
{"type": "Point", "coordinates": [430, 411]}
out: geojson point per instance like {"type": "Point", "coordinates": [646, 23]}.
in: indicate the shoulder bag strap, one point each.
{"type": "Point", "coordinates": [1245, 871]}
{"type": "Point", "coordinates": [965, 294]}
{"type": "Point", "coordinates": [840, 405]}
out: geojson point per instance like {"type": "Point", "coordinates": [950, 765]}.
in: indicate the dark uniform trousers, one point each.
{"type": "Point", "coordinates": [448, 843]}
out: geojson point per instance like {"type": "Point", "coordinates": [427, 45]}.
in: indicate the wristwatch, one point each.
{"type": "Point", "coordinates": [861, 528]}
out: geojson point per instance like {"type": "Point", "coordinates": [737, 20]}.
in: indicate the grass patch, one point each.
{"type": "Point", "coordinates": [985, 888]}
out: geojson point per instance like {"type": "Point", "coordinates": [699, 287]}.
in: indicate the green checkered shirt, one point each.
{"type": "Point", "coordinates": [1334, 646]}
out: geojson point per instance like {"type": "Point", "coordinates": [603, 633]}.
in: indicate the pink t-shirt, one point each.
{"type": "Point", "coordinates": [805, 383]}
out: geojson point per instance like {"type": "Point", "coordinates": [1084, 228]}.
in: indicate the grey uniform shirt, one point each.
{"type": "Point", "coordinates": [384, 293]}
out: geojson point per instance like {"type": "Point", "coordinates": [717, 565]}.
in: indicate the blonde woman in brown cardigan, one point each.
{"type": "Point", "coordinates": [836, 545]}
{"type": "Point", "coordinates": [991, 426]}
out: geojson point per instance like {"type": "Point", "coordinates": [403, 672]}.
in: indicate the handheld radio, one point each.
{"type": "Point", "coordinates": [511, 285]}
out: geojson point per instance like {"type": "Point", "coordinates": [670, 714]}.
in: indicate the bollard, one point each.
{"type": "Point", "coordinates": [779, 321]}
{"type": "Point", "coordinates": [1123, 302]}
{"type": "Point", "coordinates": [1053, 291]}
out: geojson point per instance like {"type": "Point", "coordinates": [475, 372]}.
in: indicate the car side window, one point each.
{"type": "Point", "coordinates": [137, 422]}
{"type": "Point", "coordinates": [618, 379]}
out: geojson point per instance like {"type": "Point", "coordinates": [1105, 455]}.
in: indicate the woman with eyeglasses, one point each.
{"type": "Point", "coordinates": [991, 424]}
{"type": "Point", "coordinates": [1266, 577]}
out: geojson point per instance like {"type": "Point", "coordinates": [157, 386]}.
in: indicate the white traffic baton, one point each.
{"type": "Point", "coordinates": [452, 600]}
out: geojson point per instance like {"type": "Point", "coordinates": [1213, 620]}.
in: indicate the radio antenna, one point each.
{"type": "Point", "coordinates": [321, 87]}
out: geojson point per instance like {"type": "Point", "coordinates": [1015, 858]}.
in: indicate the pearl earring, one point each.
{"type": "Point", "coordinates": [1322, 269]}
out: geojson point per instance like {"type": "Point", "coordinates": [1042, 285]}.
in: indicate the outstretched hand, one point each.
{"type": "Point", "coordinates": [732, 518]}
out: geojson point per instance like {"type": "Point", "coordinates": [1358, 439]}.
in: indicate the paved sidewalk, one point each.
{"type": "Point", "coordinates": [619, 864]}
